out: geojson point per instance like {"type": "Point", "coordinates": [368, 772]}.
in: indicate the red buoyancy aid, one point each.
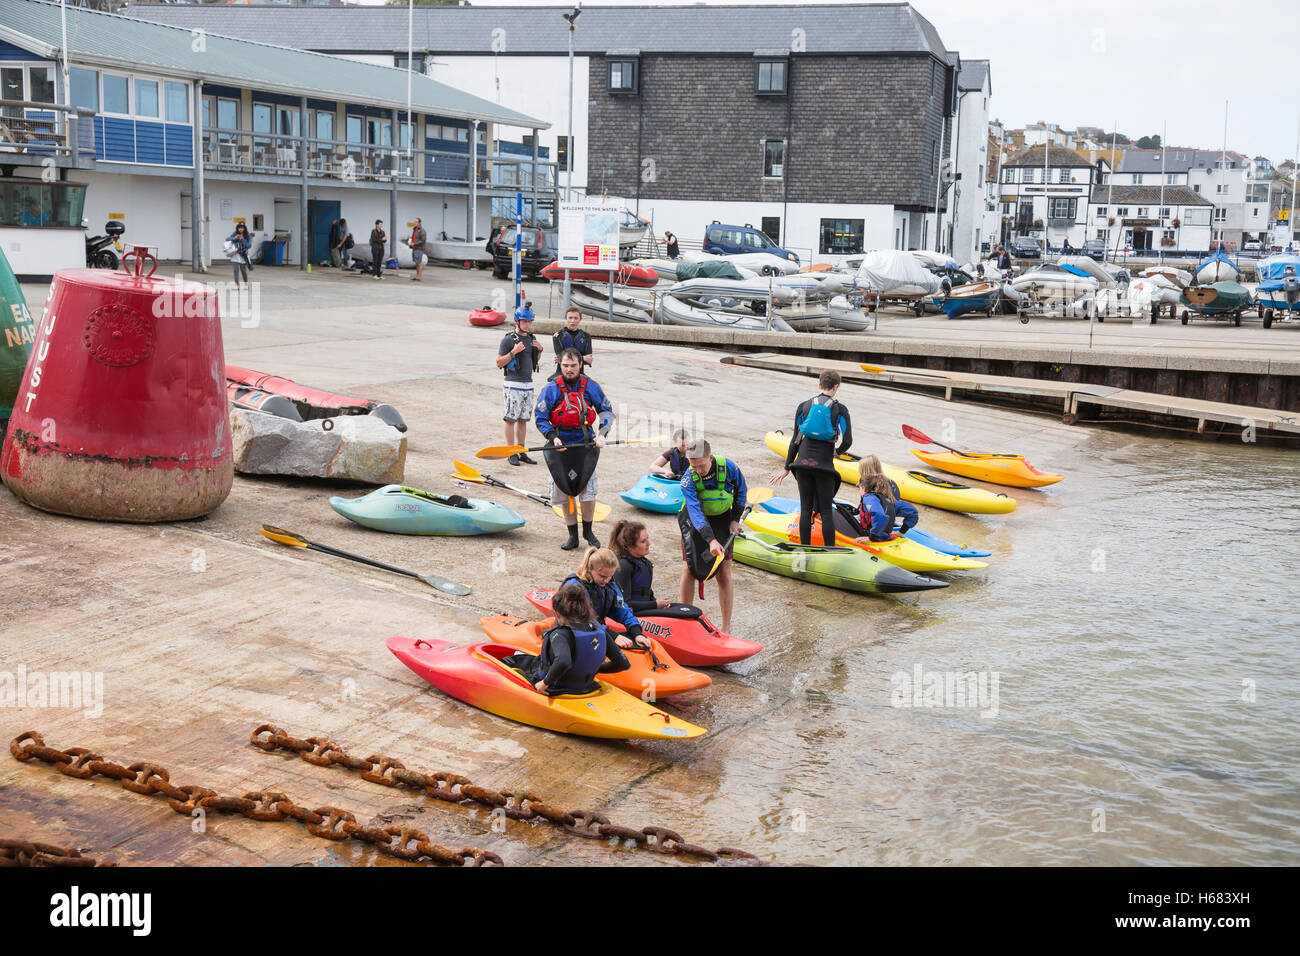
{"type": "Point", "coordinates": [573, 410]}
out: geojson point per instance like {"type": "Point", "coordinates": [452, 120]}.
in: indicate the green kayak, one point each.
{"type": "Point", "coordinates": [850, 569]}
{"type": "Point", "coordinates": [403, 510]}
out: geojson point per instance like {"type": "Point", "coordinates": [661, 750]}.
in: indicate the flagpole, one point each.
{"type": "Point", "coordinates": [410, 49]}
{"type": "Point", "coordinates": [1164, 148]}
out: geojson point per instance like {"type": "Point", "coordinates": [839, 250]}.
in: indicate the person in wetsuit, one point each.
{"type": "Point", "coordinates": [573, 651]}
{"type": "Point", "coordinates": [596, 576]}
{"type": "Point", "coordinates": [571, 337]}
{"type": "Point", "coordinates": [673, 462]}
{"type": "Point", "coordinates": [817, 423]}
{"type": "Point", "coordinates": [880, 504]}
{"type": "Point", "coordinates": [635, 574]}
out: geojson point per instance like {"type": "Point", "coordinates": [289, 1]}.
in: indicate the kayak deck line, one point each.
{"type": "Point", "coordinates": [1067, 397]}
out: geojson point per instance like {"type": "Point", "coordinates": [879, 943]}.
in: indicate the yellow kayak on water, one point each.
{"type": "Point", "coordinates": [916, 486]}
{"type": "Point", "coordinates": [902, 552]}
{"type": "Point", "coordinates": [1010, 470]}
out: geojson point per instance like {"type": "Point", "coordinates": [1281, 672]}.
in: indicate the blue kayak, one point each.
{"type": "Point", "coordinates": [402, 510]}
{"type": "Point", "coordinates": [783, 506]}
{"type": "Point", "coordinates": [656, 493]}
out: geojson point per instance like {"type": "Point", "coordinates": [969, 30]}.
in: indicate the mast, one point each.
{"type": "Point", "coordinates": [1110, 183]}
{"type": "Point", "coordinates": [1160, 210]}
{"type": "Point", "coordinates": [1223, 172]}
{"type": "Point", "coordinates": [410, 132]}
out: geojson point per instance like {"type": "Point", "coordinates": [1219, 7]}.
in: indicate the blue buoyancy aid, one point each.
{"type": "Point", "coordinates": [816, 422]}
{"type": "Point", "coordinates": [588, 656]}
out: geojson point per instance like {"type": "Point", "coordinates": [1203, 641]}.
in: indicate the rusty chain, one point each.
{"type": "Point", "coordinates": [330, 823]}
{"type": "Point", "coordinates": [22, 853]}
{"type": "Point", "coordinates": [514, 804]}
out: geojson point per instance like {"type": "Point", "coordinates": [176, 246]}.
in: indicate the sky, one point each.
{"type": "Point", "coordinates": [1138, 63]}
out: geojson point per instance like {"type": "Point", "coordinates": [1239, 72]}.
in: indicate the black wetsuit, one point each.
{"type": "Point", "coordinates": [634, 577]}
{"type": "Point", "coordinates": [813, 462]}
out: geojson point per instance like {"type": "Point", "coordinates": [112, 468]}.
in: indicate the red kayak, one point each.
{"type": "Point", "coordinates": [689, 636]}
{"type": "Point", "coordinates": [638, 277]}
{"type": "Point", "coordinates": [256, 400]}
{"type": "Point", "coordinates": [486, 316]}
{"type": "Point", "coordinates": [312, 403]}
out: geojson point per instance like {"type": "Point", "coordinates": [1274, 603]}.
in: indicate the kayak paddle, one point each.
{"type": "Point", "coordinates": [757, 498]}
{"type": "Point", "coordinates": [916, 435]}
{"type": "Point", "coordinates": [785, 547]}
{"type": "Point", "coordinates": [467, 473]}
{"type": "Point", "coordinates": [494, 452]}
{"type": "Point", "coordinates": [297, 541]}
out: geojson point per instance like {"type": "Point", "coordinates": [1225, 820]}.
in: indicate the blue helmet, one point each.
{"type": "Point", "coordinates": [524, 314]}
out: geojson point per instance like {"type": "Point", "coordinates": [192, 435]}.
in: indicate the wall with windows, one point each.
{"type": "Point", "coordinates": [140, 117]}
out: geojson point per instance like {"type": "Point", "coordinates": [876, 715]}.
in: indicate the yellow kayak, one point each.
{"type": "Point", "coordinates": [916, 486]}
{"type": "Point", "coordinates": [902, 552]}
{"type": "Point", "coordinates": [1010, 470]}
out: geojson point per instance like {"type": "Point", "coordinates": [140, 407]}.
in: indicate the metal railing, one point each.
{"type": "Point", "coordinates": [280, 154]}
{"type": "Point", "coordinates": [47, 129]}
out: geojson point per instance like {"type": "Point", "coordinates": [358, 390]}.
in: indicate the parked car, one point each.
{"type": "Point", "coordinates": [539, 248]}
{"type": "Point", "coordinates": [1094, 249]}
{"type": "Point", "coordinates": [1026, 248]}
{"type": "Point", "coordinates": [1253, 247]}
{"type": "Point", "coordinates": [725, 240]}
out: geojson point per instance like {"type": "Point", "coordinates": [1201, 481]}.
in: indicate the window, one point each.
{"type": "Point", "coordinates": [146, 98]}
{"type": "Point", "coordinates": [770, 226]}
{"type": "Point", "coordinates": [286, 120]}
{"type": "Point", "coordinates": [41, 81]}
{"type": "Point", "coordinates": [1101, 212]}
{"type": "Point", "coordinates": [417, 62]}
{"type": "Point", "coordinates": [1169, 235]}
{"type": "Point", "coordinates": [562, 153]}
{"type": "Point", "coordinates": [1196, 216]}
{"type": "Point", "coordinates": [178, 102]}
{"type": "Point", "coordinates": [1220, 189]}
{"type": "Point", "coordinates": [227, 114]}
{"type": "Point", "coordinates": [1171, 179]}
{"type": "Point", "coordinates": [1101, 234]}
{"type": "Point", "coordinates": [1063, 176]}
{"type": "Point", "coordinates": [85, 88]}
{"type": "Point", "coordinates": [1062, 208]}
{"type": "Point", "coordinates": [1196, 188]}
{"type": "Point", "coordinates": [353, 128]}
{"type": "Point", "coordinates": [1143, 212]}
{"type": "Point", "coordinates": [117, 94]}
{"type": "Point", "coordinates": [773, 159]}
{"type": "Point", "coordinates": [1221, 214]}
{"type": "Point", "coordinates": [1122, 212]}
{"type": "Point", "coordinates": [324, 124]}
{"type": "Point", "coordinates": [1164, 213]}
{"type": "Point", "coordinates": [1137, 179]}
{"type": "Point", "coordinates": [30, 202]}
{"type": "Point", "coordinates": [622, 76]}
{"type": "Point", "coordinates": [841, 237]}
{"type": "Point", "coordinates": [769, 77]}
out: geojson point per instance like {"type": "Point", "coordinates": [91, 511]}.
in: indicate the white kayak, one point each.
{"type": "Point", "coordinates": [674, 311]}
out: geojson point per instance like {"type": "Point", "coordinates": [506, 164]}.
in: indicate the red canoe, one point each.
{"type": "Point", "coordinates": [689, 636]}
{"type": "Point", "coordinates": [312, 403]}
{"type": "Point", "coordinates": [638, 277]}
{"type": "Point", "coordinates": [486, 316]}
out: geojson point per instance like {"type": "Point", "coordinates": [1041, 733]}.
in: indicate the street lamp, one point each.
{"type": "Point", "coordinates": [572, 20]}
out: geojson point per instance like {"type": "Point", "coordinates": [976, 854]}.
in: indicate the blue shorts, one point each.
{"type": "Point", "coordinates": [416, 255]}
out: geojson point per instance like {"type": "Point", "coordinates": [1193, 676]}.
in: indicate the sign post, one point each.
{"type": "Point", "coordinates": [589, 240]}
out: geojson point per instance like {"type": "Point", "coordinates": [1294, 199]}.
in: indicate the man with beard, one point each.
{"type": "Point", "coordinates": [574, 416]}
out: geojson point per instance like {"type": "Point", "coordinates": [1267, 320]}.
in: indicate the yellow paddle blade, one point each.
{"type": "Point", "coordinates": [759, 495]}
{"type": "Point", "coordinates": [282, 536]}
{"type": "Point", "coordinates": [600, 514]}
{"type": "Point", "coordinates": [494, 452]}
{"type": "Point", "coordinates": [469, 474]}
{"type": "Point", "coordinates": [717, 563]}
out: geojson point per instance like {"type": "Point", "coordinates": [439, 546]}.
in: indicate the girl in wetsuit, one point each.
{"type": "Point", "coordinates": [672, 463]}
{"type": "Point", "coordinates": [812, 453]}
{"type": "Point", "coordinates": [596, 576]}
{"type": "Point", "coordinates": [573, 651]}
{"type": "Point", "coordinates": [880, 504]}
{"type": "Point", "coordinates": [635, 574]}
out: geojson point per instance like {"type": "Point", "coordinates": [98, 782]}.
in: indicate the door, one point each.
{"type": "Point", "coordinates": [320, 213]}
{"type": "Point", "coordinates": [284, 220]}
{"type": "Point", "coordinates": [770, 226]}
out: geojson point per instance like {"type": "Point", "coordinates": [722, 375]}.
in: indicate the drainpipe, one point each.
{"type": "Point", "coordinates": [536, 218]}
{"type": "Point", "coordinates": [785, 159]}
{"type": "Point", "coordinates": [198, 225]}
{"type": "Point", "coordinates": [392, 192]}
{"type": "Point", "coordinates": [304, 244]}
{"type": "Point", "coordinates": [471, 212]}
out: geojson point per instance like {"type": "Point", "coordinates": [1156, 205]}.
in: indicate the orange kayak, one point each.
{"type": "Point", "coordinates": [1010, 470]}
{"type": "Point", "coordinates": [653, 673]}
{"type": "Point", "coordinates": [476, 675]}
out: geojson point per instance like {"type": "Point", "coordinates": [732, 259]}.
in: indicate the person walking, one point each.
{"type": "Point", "coordinates": [817, 423]}
{"type": "Point", "coordinates": [378, 239]}
{"type": "Point", "coordinates": [334, 243]}
{"type": "Point", "coordinates": [518, 356]}
{"type": "Point", "coordinates": [418, 239]}
{"type": "Point", "coordinates": [1004, 259]}
{"type": "Point", "coordinates": [238, 244]}
{"type": "Point", "coordinates": [571, 337]}
{"type": "Point", "coordinates": [673, 251]}
{"type": "Point", "coordinates": [345, 243]}
{"type": "Point", "coordinates": [714, 496]}
{"type": "Point", "coordinates": [574, 415]}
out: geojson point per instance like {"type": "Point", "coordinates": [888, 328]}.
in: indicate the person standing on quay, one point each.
{"type": "Point", "coordinates": [817, 423]}
{"type": "Point", "coordinates": [378, 239]}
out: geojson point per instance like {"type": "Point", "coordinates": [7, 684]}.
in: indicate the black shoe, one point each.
{"type": "Point", "coordinates": [523, 456]}
{"type": "Point", "coordinates": [589, 536]}
{"type": "Point", "coordinates": [513, 459]}
{"type": "Point", "coordinates": [573, 538]}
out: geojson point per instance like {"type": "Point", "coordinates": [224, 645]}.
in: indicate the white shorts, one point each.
{"type": "Point", "coordinates": [588, 494]}
{"type": "Point", "coordinates": [518, 403]}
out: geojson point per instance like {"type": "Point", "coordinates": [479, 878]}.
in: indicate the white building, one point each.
{"type": "Point", "coordinates": [970, 155]}
{"type": "Point", "coordinates": [1227, 179]}
{"type": "Point", "coordinates": [1150, 218]}
{"type": "Point", "coordinates": [1045, 192]}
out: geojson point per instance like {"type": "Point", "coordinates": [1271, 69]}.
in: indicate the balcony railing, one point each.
{"type": "Point", "coordinates": [279, 154]}
{"type": "Point", "coordinates": [46, 129]}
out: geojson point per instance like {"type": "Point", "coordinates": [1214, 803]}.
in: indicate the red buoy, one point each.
{"type": "Point", "coordinates": [121, 414]}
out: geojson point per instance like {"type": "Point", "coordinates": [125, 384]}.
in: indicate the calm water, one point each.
{"type": "Point", "coordinates": [1141, 619]}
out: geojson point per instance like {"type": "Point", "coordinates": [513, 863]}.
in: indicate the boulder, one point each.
{"type": "Point", "coordinates": [351, 447]}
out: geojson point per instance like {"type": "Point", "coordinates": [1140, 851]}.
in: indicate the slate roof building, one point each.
{"type": "Point", "coordinates": [826, 126]}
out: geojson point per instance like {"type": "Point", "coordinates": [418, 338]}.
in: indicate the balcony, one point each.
{"type": "Point", "coordinates": [250, 152]}
{"type": "Point", "coordinates": [45, 129]}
